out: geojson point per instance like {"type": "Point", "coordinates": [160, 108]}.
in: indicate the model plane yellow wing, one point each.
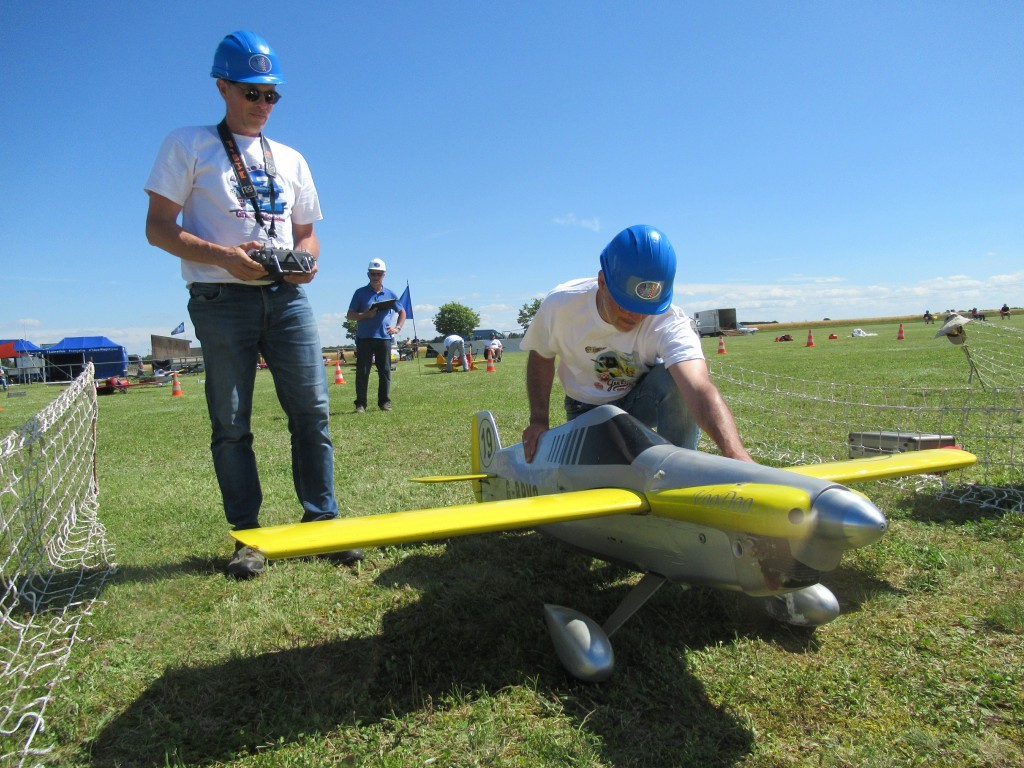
{"type": "Point", "coordinates": [321, 537]}
{"type": "Point", "coordinates": [888, 466]}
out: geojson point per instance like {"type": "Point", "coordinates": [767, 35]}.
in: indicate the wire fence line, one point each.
{"type": "Point", "coordinates": [786, 420]}
{"type": "Point", "coordinates": [54, 560]}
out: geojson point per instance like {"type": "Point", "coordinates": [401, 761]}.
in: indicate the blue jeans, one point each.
{"type": "Point", "coordinates": [366, 351]}
{"type": "Point", "coordinates": [656, 402]}
{"type": "Point", "coordinates": [235, 324]}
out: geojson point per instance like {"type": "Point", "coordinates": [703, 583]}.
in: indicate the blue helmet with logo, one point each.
{"type": "Point", "coordinates": [245, 57]}
{"type": "Point", "coordinates": [639, 266]}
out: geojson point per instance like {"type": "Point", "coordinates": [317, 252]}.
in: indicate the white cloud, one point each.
{"type": "Point", "coordinates": [811, 279]}
{"type": "Point", "coordinates": [332, 318]}
{"type": "Point", "coordinates": [570, 220]}
{"type": "Point", "coordinates": [794, 299]}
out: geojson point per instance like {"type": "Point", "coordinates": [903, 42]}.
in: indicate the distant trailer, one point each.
{"type": "Point", "coordinates": [711, 322]}
{"type": "Point", "coordinates": [720, 322]}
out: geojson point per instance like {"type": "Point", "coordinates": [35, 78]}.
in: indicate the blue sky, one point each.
{"type": "Point", "coordinates": [806, 159]}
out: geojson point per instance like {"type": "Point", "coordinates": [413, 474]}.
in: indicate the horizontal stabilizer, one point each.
{"type": "Point", "coordinates": [449, 478]}
{"type": "Point", "coordinates": [893, 465]}
{"type": "Point", "coordinates": [325, 536]}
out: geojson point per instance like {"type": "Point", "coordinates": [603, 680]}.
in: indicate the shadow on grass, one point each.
{"type": "Point", "coordinates": [476, 629]}
{"type": "Point", "coordinates": [191, 565]}
{"type": "Point", "coordinates": [929, 509]}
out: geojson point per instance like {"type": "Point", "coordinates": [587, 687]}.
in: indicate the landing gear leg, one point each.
{"type": "Point", "coordinates": [582, 644]}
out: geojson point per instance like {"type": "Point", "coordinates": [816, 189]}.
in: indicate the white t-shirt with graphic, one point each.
{"type": "Point", "coordinates": [192, 170]}
{"type": "Point", "coordinates": [597, 363]}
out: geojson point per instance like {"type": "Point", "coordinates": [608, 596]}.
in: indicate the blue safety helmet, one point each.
{"type": "Point", "coordinates": [639, 266]}
{"type": "Point", "coordinates": [245, 57]}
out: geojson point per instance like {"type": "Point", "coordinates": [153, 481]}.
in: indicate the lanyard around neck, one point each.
{"type": "Point", "coordinates": [244, 182]}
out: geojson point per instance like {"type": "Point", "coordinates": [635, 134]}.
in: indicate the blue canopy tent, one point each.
{"type": "Point", "coordinates": [20, 346]}
{"type": "Point", "coordinates": [66, 359]}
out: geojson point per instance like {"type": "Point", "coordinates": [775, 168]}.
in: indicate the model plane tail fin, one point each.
{"type": "Point", "coordinates": [486, 444]}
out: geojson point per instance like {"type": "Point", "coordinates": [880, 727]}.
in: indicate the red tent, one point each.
{"type": "Point", "coordinates": [7, 350]}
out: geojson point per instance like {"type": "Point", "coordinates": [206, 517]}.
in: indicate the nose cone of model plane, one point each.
{"type": "Point", "coordinates": [843, 520]}
{"type": "Point", "coordinates": [848, 518]}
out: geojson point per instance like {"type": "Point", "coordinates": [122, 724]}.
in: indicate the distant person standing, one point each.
{"type": "Point", "coordinates": [455, 346]}
{"type": "Point", "coordinates": [235, 192]}
{"type": "Point", "coordinates": [374, 334]}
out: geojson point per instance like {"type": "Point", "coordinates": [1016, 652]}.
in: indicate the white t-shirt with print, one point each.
{"type": "Point", "coordinates": [597, 363]}
{"type": "Point", "coordinates": [192, 170]}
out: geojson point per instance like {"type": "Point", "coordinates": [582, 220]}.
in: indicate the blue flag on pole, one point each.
{"type": "Point", "coordinates": [179, 329]}
{"type": "Point", "coordinates": [405, 302]}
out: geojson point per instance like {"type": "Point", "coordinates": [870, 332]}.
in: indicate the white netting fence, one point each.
{"type": "Point", "coordinates": [53, 559]}
{"type": "Point", "coordinates": [786, 420]}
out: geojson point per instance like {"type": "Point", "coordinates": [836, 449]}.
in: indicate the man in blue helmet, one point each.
{"type": "Point", "coordinates": [619, 340]}
{"type": "Point", "coordinates": [237, 192]}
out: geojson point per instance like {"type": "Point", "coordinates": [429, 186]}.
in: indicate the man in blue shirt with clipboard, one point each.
{"type": "Point", "coordinates": [371, 307]}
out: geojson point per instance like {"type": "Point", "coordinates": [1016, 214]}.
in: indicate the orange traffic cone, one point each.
{"type": "Point", "coordinates": [810, 338]}
{"type": "Point", "coordinates": [899, 336]}
{"type": "Point", "coordinates": [490, 365]}
{"type": "Point", "coordinates": [176, 386]}
{"type": "Point", "coordinates": [339, 377]}
{"type": "Point", "coordinates": [469, 359]}
{"type": "Point", "coordinates": [721, 345]}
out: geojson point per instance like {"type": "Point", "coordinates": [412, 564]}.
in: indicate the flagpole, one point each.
{"type": "Point", "coordinates": [415, 333]}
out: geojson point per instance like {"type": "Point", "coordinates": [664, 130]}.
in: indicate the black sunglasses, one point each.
{"type": "Point", "coordinates": [252, 93]}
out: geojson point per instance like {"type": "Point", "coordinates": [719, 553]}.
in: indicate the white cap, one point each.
{"type": "Point", "coordinates": [376, 264]}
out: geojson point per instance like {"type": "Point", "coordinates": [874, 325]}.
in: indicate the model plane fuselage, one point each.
{"type": "Point", "coordinates": [708, 519]}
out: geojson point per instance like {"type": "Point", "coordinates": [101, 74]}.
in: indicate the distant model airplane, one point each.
{"type": "Point", "coordinates": [614, 489]}
{"type": "Point", "coordinates": [120, 385]}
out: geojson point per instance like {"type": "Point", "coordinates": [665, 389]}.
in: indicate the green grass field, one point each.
{"type": "Point", "coordinates": [437, 654]}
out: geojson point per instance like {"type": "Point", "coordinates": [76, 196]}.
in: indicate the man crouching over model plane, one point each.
{"type": "Point", "coordinates": [621, 341]}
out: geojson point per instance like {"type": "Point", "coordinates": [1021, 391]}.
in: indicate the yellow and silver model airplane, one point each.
{"type": "Point", "coordinates": [609, 486]}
